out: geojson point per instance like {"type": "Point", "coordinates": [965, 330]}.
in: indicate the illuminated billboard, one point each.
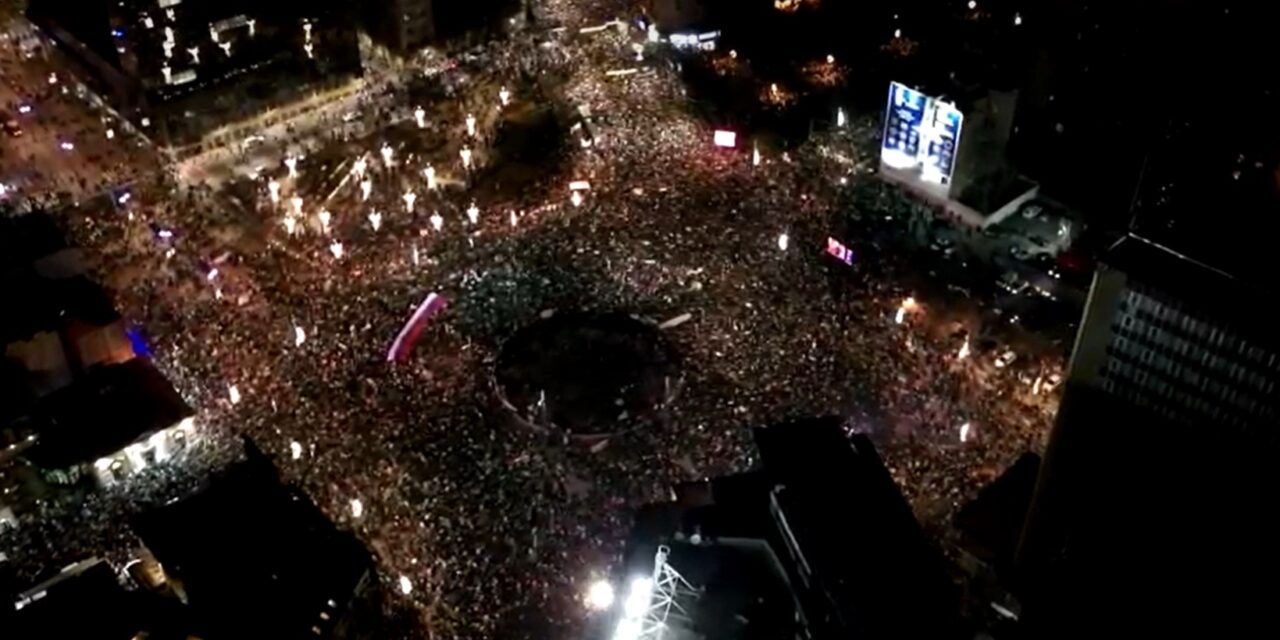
{"type": "Point", "coordinates": [920, 132]}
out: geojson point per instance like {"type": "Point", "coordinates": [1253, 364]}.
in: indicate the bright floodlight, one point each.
{"type": "Point", "coordinates": [728, 139]}
{"type": "Point", "coordinates": [638, 598]}
{"type": "Point", "coordinates": [628, 629]}
{"type": "Point", "coordinates": [600, 595]}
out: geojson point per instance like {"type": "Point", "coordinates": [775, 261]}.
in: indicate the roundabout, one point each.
{"type": "Point", "coordinates": [585, 373]}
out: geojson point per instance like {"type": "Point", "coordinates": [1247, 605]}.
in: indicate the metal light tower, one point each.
{"type": "Point", "coordinates": [653, 602]}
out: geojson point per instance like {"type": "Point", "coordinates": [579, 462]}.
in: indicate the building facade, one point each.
{"type": "Point", "coordinates": [1145, 518]}
{"type": "Point", "coordinates": [179, 69]}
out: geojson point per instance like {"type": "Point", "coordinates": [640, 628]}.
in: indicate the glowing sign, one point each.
{"type": "Point", "coordinates": [900, 147]}
{"type": "Point", "coordinates": [920, 132]}
{"type": "Point", "coordinates": [837, 249]}
{"type": "Point", "coordinates": [942, 136]}
{"type": "Point", "coordinates": [727, 139]}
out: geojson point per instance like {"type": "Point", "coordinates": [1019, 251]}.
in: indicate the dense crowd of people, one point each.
{"type": "Point", "coordinates": [481, 527]}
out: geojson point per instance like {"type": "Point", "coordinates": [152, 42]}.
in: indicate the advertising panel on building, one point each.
{"type": "Point", "coordinates": [920, 133]}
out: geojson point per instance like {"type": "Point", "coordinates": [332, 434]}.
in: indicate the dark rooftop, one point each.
{"type": "Point", "coordinates": [84, 601]}
{"type": "Point", "coordinates": [256, 558]}
{"type": "Point", "coordinates": [102, 412]}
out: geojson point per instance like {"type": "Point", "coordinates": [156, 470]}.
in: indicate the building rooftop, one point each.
{"type": "Point", "coordinates": [85, 600]}
{"type": "Point", "coordinates": [255, 557]}
{"type": "Point", "coordinates": [101, 413]}
{"type": "Point", "coordinates": [819, 538]}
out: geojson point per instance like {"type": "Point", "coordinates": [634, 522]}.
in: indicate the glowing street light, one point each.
{"type": "Point", "coordinates": [473, 213]}
{"type": "Point", "coordinates": [406, 587]}
{"type": "Point", "coordinates": [600, 595]}
{"type": "Point", "coordinates": [840, 117]}
{"type": "Point", "coordinates": [783, 241]}
{"type": "Point", "coordinates": [964, 432]}
{"type": "Point", "coordinates": [576, 199]}
{"type": "Point", "coordinates": [375, 220]}
{"type": "Point", "coordinates": [233, 394]}
{"type": "Point", "coordinates": [437, 221]}
{"type": "Point", "coordinates": [295, 450]}
{"type": "Point", "coordinates": [514, 220]}
{"type": "Point", "coordinates": [471, 125]}
{"type": "Point", "coordinates": [420, 115]}
{"type": "Point", "coordinates": [1017, 19]}
{"type": "Point", "coordinates": [755, 156]}
{"type": "Point", "coordinates": [299, 336]}
{"type": "Point", "coordinates": [111, 134]}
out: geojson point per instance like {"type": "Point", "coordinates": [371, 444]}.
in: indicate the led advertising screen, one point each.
{"type": "Point", "coordinates": [942, 136]}
{"type": "Point", "coordinates": [920, 132]}
{"type": "Point", "coordinates": [900, 147]}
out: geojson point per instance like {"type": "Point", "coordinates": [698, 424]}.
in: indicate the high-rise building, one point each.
{"type": "Point", "coordinates": [179, 69]}
{"type": "Point", "coordinates": [1148, 515]}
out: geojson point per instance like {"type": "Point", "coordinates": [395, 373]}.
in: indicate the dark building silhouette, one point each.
{"type": "Point", "coordinates": [179, 69]}
{"type": "Point", "coordinates": [1149, 516]}
{"type": "Point", "coordinates": [818, 542]}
